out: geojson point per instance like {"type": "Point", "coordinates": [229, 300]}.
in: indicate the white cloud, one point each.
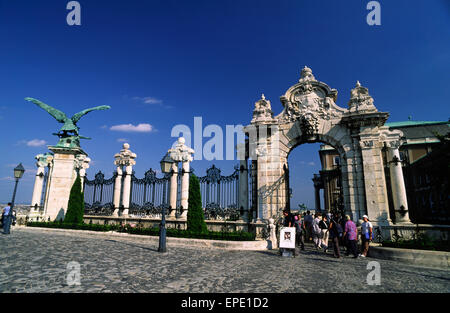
{"type": "Point", "coordinates": [33, 143]}
{"type": "Point", "coordinates": [152, 100]}
{"type": "Point", "coordinates": [311, 163]}
{"type": "Point", "coordinates": [140, 128]}
{"type": "Point", "coordinates": [122, 140]}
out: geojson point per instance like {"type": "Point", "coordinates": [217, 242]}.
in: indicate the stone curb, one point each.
{"type": "Point", "coordinates": [439, 259]}
{"type": "Point", "coordinates": [256, 245]}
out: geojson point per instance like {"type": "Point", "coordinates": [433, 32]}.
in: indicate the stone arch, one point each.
{"type": "Point", "coordinates": [310, 114]}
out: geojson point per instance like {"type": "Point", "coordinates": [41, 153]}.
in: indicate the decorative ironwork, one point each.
{"type": "Point", "coordinates": [149, 194]}
{"type": "Point", "coordinates": [98, 194]}
{"type": "Point", "coordinates": [220, 194]}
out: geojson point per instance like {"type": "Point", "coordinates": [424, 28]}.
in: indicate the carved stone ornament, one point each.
{"type": "Point", "coordinates": [310, 96]}
{"type": "Point", "coordinates": [360, 100]}
{"type": "Point", "coordinates": [309, 124]}
{"type": "Point", "coordinates": [81, 162]}
{"type": "Point", "coordinates": [181, 152]}
{"type": "Point", "coordinates": [263, 110]}
{"type": "Point", "coordinates": [125, 157]}
{"type": "Point", "coordinates": [44, 160]}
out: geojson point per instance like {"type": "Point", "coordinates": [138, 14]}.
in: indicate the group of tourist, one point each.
{"type": "Point", "coordinates": [321, 229]}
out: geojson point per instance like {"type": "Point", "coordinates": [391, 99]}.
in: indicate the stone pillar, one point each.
{"type": "Point", "coordinates": [182, 153]}
{"type": "Point", "coordinates": [243, 189]}
{"type": "Point", "coordinates": [185, 188]}
{"type": "Point", "coordinates": [317, 198]}
{"type": "Point", "coordinates": [117, 191]}
{"type": "Point", "coordinates": [397, 184]}
{"type": "Point", "coordinates": [125, 158]}
{"type": "Point", "coordinates": [173, 190]}
{"type": "Point", "coordinates": [60, 181]}
{"type": "Point", "coordinates": [43, 160]}
{"type": "Point", "coordinates": [82, 164]}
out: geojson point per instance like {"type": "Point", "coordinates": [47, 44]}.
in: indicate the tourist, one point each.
{"type": "Point", "coordinates": [7, 217]}
{"type": "Point", "coordinates": [366, 235]}
{"type": "Point", "coordinates": [316, 231]}
{"type": "Point", "coordinates": [300, 231]}
{"type": "Point", "coordinates": [323, 241]}
{"type": "Point", "coordinates": [334, 235]}
{"type": "Point", "coordinates": [351, 237]}
{"type": "Point", "coordinates": [308, 220]}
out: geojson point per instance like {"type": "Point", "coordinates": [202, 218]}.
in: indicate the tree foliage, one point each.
{"type": "Point", "coordinates": [75, 207]}
{"type": "Point", "coordinates": [195, 215]}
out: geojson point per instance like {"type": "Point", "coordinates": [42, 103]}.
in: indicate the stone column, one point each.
{"type": "Point", "coordinates": [60, 181]}
{"type": "Point", "coordinates": [243, 189]}
{"type": "Point", "coordinates": [182, 153]}
{"type": "Point", "coordinates": [397, 184]}
{"type": "Point", "coordinates": [173, 190]}
{"type": "Point", "coordinates": [117, 191]}
{"type": "Point", "coordinates": [43, 160]}
{"type": "Point", "coordinates": [125, 158]}
{"type": "Point", "coordinates": [185, 188]}
{"type": "Point", "coordinates": [82, 164]}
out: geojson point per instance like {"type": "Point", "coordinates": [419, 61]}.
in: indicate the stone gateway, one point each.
{"type": "Point", "coordinates": [358, 133]}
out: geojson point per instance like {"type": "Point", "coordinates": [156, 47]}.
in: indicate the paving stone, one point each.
{"type": "Point", "coordinates": [34, 261]}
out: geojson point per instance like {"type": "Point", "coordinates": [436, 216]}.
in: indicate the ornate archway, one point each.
{"type": "Point", "coordinates": [358, 133]}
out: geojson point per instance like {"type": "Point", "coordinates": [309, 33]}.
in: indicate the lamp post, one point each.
{"type": "Point", "coordinates": [166, 167]}
{"type": "Point", "coordinates": [18, 173]}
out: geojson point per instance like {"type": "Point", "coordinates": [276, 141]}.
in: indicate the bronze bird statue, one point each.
{"type": "Point", "coordinates": [70, 127]}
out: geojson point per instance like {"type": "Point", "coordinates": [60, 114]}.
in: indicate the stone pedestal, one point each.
{"type": "Point", "coordinates": [61, 178]}
{"type": "Point", "coordinates": [125, 158]}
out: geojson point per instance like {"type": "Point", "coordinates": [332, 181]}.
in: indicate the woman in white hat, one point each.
{"type": "Point", "coordinates": [366, 235]}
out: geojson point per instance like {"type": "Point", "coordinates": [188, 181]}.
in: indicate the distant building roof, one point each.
{"type": "Point", "coordinates": [414, 123]}
{"type": "Point", "coordinates": [421, 132]}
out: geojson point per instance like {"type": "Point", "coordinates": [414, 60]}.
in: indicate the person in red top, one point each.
{"type": "Point", "coordinates": [351, 236]}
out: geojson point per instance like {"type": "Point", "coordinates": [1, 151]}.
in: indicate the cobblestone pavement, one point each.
{"type": "Point", "coordinates": [36, 261]}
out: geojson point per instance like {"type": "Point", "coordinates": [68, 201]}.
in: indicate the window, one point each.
{"type": "Point", "coordinates": [336, 160]}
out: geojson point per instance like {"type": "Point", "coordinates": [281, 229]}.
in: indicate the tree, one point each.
{"type": "Point", "coordinates": [195, 215]}
{"type": "Point", "coordinates": [75, 207]}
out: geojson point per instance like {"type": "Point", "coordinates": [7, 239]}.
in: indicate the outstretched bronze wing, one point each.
{"type": "Point", "coordinates": [77, 116]}
{"type": "Point", "coordinates": [57, 114]}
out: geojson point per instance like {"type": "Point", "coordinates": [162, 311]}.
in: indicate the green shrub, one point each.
{"type": "Point", "coordinates": [195, 216]}
{"type": "Point", "coordinates": [171, 232]}
{"type": "Point", "coordinates": [75, 207]}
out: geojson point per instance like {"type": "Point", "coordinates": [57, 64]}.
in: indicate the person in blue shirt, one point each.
{"type": "Point", "coordinates": [7, 218]}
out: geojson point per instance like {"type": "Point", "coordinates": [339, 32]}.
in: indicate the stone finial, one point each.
{"type": "Point", "coordinates": [306, 75]}
{"type": "Point", "coordinates": [360, 100]}
{"type": "Point", "coordinates": [81, 162]}
{"type": "Point", "coordinates": [263, 110]}
{"type": "Point", "coordinates": [181, 152]}
{"type": "Point", "coordinates": [125, 157]}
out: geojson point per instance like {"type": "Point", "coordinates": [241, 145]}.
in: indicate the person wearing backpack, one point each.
{"type": "Point", "coordinates": [334, 235]}
{"type": "Point", "coordinates": [351, 237]}
{"type": "Point", "coordinates": [316, 231]}
{"type": "Point", "coordinates": [323, 225]}
{"type": "Point", "coordinates": [366, 236]}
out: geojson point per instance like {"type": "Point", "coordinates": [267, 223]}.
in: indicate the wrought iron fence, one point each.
{"type": "Point", "coordinates": [149, 194]}
{"type": "Point", "coordinates": [98, 194]}
{"type": "Point", "coordinates": [220, 194]}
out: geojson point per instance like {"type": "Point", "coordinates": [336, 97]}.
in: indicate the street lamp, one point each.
{"type": "Point", "coordinates": [166, 167]}
{"type": "Point", "coordinates": [18, 173]}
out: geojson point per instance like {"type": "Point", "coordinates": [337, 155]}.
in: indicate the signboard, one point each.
{"type": "Point", "coordinates": [287, 238]}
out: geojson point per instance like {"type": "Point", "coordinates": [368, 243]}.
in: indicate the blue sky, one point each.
{"type": "Point", "coordinates": [164, 62]}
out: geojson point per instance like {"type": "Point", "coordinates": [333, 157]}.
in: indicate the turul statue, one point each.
{"type": "Point", "coordinates": [69, 132]}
